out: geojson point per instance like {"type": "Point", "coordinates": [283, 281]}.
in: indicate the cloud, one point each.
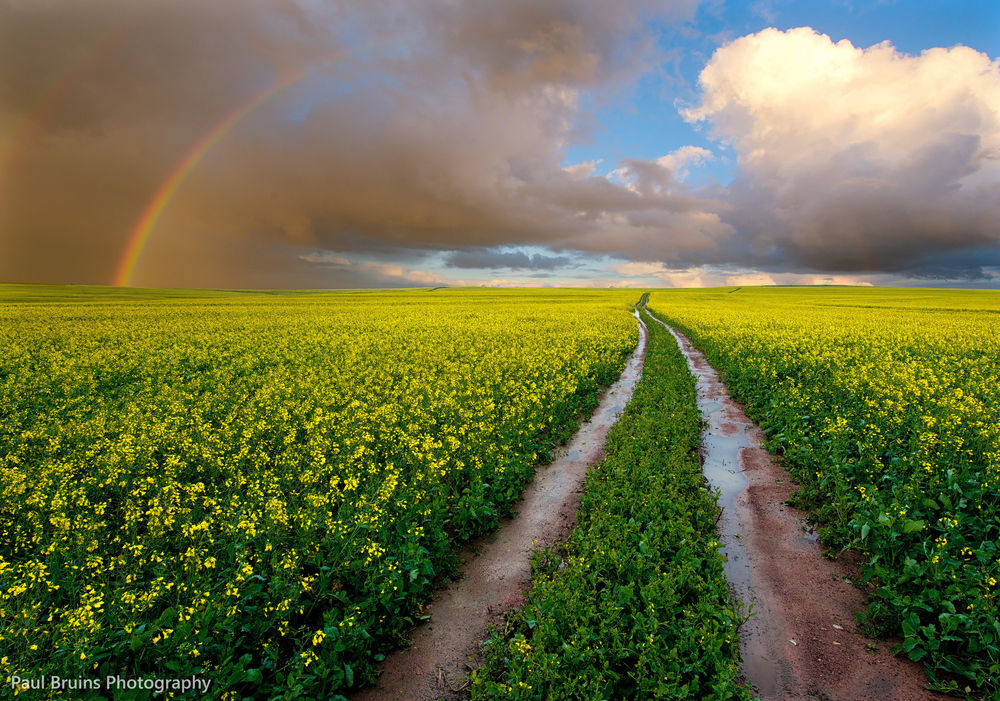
{"type": "Point", "coordinates": [325, 259]}
{"type": "Point", "coordinates": [379, 274]}
{"type": "Point", "coordinates": [645, 274]}
{"type": "Point", "coordinates": [486, 258]}
{"type": "Point", "coordinates": [397, 273]}
{"type": "Point", "coordinates": [750, 278]}
{"type": "Point", "coordinates": [432, 126]}
{"type": "Point", "coordinates": [638, 268]}
{"type": "Point", "coordinates": [520, 44]}
{"type": "Point", "coordinates": [582, 170]}
{"type": "Point", "coordinates": [439, 130]}
{"type": "Point", "coordinates": [855, 159]}
{"type": "Point", "coordinates": [677, 160]}
{"type": "Point", "coordinates": [505, 282]}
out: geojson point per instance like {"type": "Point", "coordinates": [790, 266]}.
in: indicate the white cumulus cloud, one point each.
{"type": "Point", "coordinates": [858, 158]}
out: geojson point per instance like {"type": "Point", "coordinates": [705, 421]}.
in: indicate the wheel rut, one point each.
{"type": "Point", "coordinates": [496, 568]}
{"type": "Point", "coordinates": [801, 641]}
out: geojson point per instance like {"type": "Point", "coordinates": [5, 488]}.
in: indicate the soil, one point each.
{"type": "Point", "coordinates": [801, 641]}
{"type": "Point", "coordinates": [496, 570]}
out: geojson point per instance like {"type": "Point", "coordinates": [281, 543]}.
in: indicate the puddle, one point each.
{"type": "Point", "coordinates": [723, 438]}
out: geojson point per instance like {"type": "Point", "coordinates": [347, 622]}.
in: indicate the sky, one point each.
{"type": "Point", "coordinates": [337, 144]}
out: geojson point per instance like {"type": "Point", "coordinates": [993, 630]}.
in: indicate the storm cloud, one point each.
{"type": "Point", "coordinates": [435, 126]}
{"type": "Point", "coordinates": [414, 130]}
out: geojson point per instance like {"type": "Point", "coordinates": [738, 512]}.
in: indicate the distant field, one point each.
{"type": "Point", "coordinates": [886, 405]}
{"type": "Point", "coordinates": [262, 488]}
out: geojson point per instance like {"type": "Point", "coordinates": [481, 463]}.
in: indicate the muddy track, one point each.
{"type": "Point", "coordinates": [802, 641]}
{"type": "Point", "coordinates": [496, 569]}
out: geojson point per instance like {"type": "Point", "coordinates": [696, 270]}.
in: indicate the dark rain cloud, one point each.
{"type": "Point", "coordinates": [438, 126]}
{"type": "Point", "coordinates": [429, 126]}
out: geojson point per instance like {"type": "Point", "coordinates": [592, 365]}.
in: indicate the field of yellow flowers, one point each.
{"type": "Point", "coordinates": [262, 489]}
{"type": "Point", "coordinates": [885, 404]}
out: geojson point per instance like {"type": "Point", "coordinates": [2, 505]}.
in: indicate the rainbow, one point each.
{"type": "Point", "coordinates": [161, 198]}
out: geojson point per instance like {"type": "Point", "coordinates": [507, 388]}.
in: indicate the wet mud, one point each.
{"type": "Point", "coordinates": [801, 641]}
{"type": "Point", "coordinates": [496, 570]}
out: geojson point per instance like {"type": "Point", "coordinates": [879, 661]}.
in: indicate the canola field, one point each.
{"type": "Point", "coordinates": [262, 489]}
{"type": "Point", "coordinates": [885, 404]}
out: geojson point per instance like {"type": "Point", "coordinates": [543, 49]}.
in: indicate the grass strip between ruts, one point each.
{"type": "Point", "coordinates": [637, 606]}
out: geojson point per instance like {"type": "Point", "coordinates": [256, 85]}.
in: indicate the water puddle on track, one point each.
{"type": "Point", "coordinates": [725, 434]}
